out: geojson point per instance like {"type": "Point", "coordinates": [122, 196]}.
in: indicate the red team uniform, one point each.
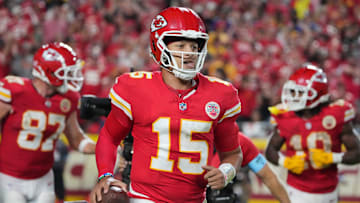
{"type": "Point", "coordinates": [321, 131]}
{"type": "Point", "coordinates": [30, 131]}
{"type": "Point", "coordinates": [248, 149]}
{"type": "Point", "coordinates": [174, 133]}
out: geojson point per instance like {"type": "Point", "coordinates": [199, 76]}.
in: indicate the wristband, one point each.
{"type": "Point", "coordinates": [228, 171]}
{"type": "Point", "coordinates": [337, 157]}
{"type": "Point", "coordinates": [104, 175]}
{"type": "Point", "coordinates": [83, 144]}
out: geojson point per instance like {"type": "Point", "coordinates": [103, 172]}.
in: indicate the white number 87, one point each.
{"type": "Point", "coordinates": [34, 124]}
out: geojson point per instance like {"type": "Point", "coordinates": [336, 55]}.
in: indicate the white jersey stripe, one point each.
{"type": "Point", "coordinates": [349, 114]}
{"type": "Point", "coordinates": [121, 103]}
{"type": "Point", "coordinates": [231, 112]}
{"type": "Point", "coordinates": [5, 94]}
{"type": "Point", "coordinates": [132, 191]}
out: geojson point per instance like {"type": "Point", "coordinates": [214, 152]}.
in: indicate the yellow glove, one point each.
{"type": "Point", "coordinates": [322, 159]}
{"type": "Point", "coordinates": [295, 164]}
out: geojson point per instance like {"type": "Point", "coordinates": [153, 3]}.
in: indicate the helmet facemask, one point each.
{"type": "Point", "coordinates": [296, 96]}
{"type": "Point", "coordinates": [168, 61]}
{"type": "Point", "coordinates": [299, 97]}
{"type": "Point", "coordinates": [71, 76]}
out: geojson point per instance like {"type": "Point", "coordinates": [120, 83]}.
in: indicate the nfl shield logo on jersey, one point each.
{"type": "Point", "coordinates": [182, 106]}
{"type": "Point", "coordinates": [212, 109]}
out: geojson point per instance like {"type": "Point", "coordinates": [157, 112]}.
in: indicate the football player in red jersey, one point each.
{"type": "Point", "coordinates": [33, 113]}
{"type": "Point", "coordinates": [313, 129]}
{"type": "Point", "coordinates": [175, 115]}
{"type": "Point", "coordinates": [257, 164]}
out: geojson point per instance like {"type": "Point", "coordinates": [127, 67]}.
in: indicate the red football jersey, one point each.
{"type": "Point", "coordinates": [248, 149]}
{"type": "Point", "coordinates": [174, 132]}
{"type": "Point", "coordinates": [321, 131]}
{"type": "Point", "coordinates": [30, 131]}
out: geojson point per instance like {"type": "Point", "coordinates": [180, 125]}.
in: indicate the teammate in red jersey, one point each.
{"type": "Point", "coordinates": [175, 115]}
{"type": "Point", "coordinates": [33, 114]}
{"type": "Point", "coordinates": [313, 129]}
{"type": "Point", "coordinates": [257, 164]}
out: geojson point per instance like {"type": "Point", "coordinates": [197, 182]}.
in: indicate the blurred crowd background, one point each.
{"type": "Point", "coordinates": [255, 44]}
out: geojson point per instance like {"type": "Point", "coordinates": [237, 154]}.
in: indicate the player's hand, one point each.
{"type": "Point", "coordinates": [104, 184]}
{"type": "Point", "coordinates": [295, 164]}
{"type": "Point", "coordinates": [215, 177]}
{"type": "Point", "coordinates": [320, 158]}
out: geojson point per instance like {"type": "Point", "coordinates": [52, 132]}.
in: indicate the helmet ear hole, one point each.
{"type": "Point", "coordinates": [201, 43]}
{"type": "Point", "coordinates": [166, 58]}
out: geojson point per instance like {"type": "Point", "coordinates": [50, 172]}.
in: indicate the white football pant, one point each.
{"type": "Point", "coordinates": [298, 196]}
{"type": "Point", "coordinates": [40, 190]}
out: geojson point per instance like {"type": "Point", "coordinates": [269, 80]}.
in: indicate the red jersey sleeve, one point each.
{"type": "Point", "coordinates": [343, 110]}
{"type": "Point", "coordinates": [9, 86]}
{"type": "Point", "coordinates": [248, 148]}
{"type": "Point", "coordinates": [227, 129]}
{"type": "Point", "coordinates": [116, 127]}
{"type": "Point", "coordinates": [110, 136]}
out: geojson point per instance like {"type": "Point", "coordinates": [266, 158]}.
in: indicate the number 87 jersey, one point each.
{"type": "Point", "coordinates": [174, 132]}
{"type": "Point", "coordinates": [29, 132]}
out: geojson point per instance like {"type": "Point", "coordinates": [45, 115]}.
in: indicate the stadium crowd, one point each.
{"type": "Point", "coordinates": [254, 44]}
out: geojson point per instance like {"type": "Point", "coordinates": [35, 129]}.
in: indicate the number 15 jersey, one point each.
{"type": "Point", "coordinates": [174, 132]}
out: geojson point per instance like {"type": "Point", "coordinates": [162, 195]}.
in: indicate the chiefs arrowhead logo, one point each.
{"type": "Point", "coordinates": [65, 105]}
{"type": "Point", "coordinates": [329, 122]}
{"type": "Point", "coordinates": [212, 109]}
{"type": "Point", "coordinates": [158, 23]}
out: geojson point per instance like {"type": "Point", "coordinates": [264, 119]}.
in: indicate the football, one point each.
{"type": "Point", "coordinates": [114, 195]}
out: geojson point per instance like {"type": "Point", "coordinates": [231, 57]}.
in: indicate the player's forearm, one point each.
{"type": "Point", "coordinates": [350, 138]}
{"type": "Point", "coordinates": [272, 182]}
{"type": "Point", "coordinates": [233, 157]}
{"type": "Point", "coordinates": [278, 191]}
{"type": "Point", "coordinates": [351, 157]}
{"type": "Point", "coordinates": [272, 155]}
{"type": "Point", "coordinates": [105, 154]}
{"type": "Point", "coordinates": [273, 147]}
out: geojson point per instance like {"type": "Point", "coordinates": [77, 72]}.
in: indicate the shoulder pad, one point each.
{"type": "Point", "coordinates": [10, 85]}
{"type": "Point", "coordinates": [338, 102]}
{"type": "Point", "coordinates": [217, 80]}
{"type": "Point", "coordinates": [341, 103]}
{"type": "Point", "coordinates": [347, 108]}
{"type": "Point", "coordinates": [15, 79]}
